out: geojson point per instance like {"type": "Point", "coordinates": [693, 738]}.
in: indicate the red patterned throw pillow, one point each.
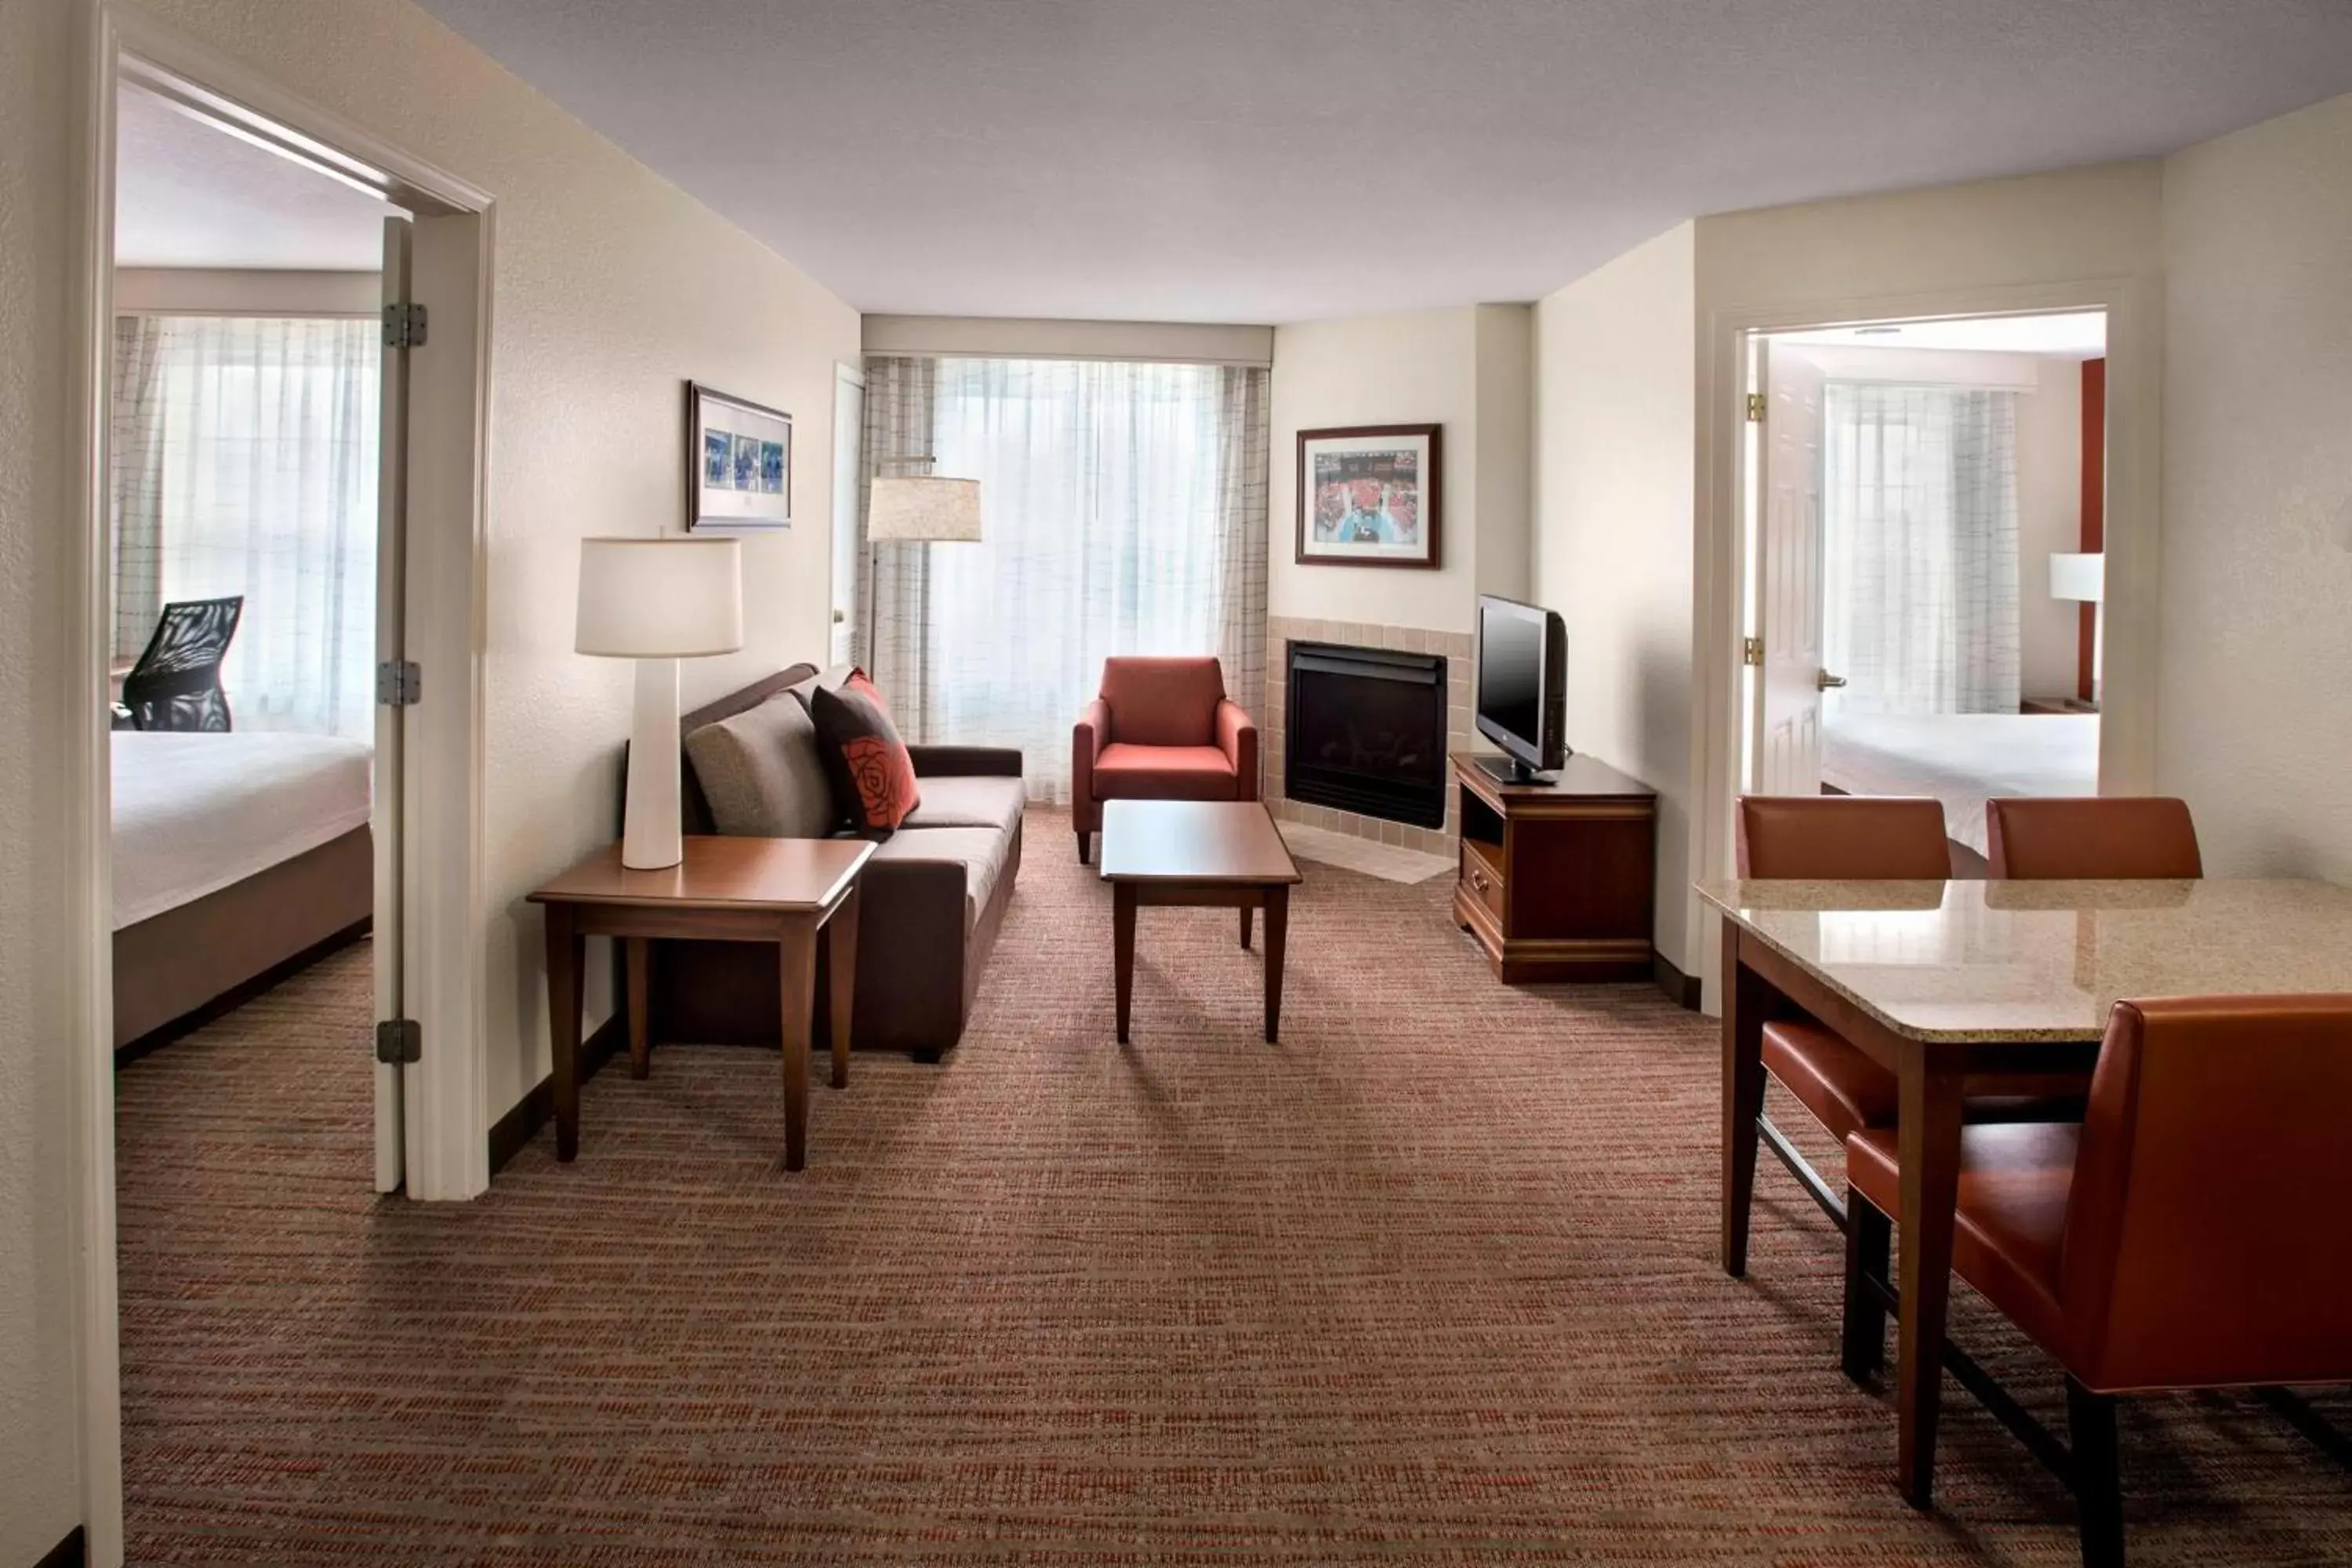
{"type": "Point", "coordinates": [873, 777]}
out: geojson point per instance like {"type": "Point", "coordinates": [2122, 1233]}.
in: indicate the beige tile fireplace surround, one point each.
{"type": "Point", "coordinates": [1455, 646]}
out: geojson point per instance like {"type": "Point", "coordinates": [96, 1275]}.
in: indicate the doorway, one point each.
{"type": "Point", "coordinates": [298, 504]}
{"type": "Point", "coordinates": [1924, 522]}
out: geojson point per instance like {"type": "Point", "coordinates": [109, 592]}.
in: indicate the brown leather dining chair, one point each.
{"type": "Point", "coordinates": [2095, 838]}
{"type": "Point", "coordinates": [2193, 1232]}
{"type": "Point", "coordinates": [1857, 839]}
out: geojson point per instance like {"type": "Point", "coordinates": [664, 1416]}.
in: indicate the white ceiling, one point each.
{"type": "Point", "coordinates": [2080, 335]}
{"type": "Point", "coordinates": [187, 195]}
{"type": "Point", "coordinates": [1281, 160]}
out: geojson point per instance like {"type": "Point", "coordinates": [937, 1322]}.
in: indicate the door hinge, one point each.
{"type": "Point", "coordinates": [1751, 650]}
{"type": "Point", "coordinates": [404, 326]}
{"type": "Point", "coordinates": [399, 683]}
{"type": "Point", "coordinates": [1757, 404]}
{"type": "Point", "coordinates": [399, 1042]}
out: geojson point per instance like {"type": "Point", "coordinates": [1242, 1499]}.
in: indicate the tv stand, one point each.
{"type": "Point", "coordinates": [1556, 878]}
{"type": "Point", "coordinates": [1511, 770]}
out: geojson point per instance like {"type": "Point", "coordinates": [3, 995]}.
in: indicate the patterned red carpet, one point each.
{"type": "Point", "coordinates": [1432, 1281]}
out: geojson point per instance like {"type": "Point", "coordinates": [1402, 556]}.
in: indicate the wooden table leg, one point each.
{"type": "Point", "coordinates": [1744, 1001]}
{"type": "Point", "coordinates": [796, 956]}
{"type": "Point", "coordinates": [566, 958]}
{"type": "Point", "coordinates": [1930, 1139]}
{"type": "Point", "coordinates": [1278, 929]}
{"type": "Point", "coordinates": [1246, 912]}
{"type": "Point", "coordinates": [840, 980]}
{"type": "Point", "coordinates": [1122, 942]}
{"type": "Point", "coordinates": [639, 952]}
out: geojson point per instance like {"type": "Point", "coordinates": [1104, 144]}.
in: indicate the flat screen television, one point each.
{"type": "Point", "coordinates": [1521, 700]}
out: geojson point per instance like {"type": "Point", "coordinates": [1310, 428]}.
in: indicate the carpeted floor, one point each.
{"type": "Point", "coordinates": [1432, 1281]}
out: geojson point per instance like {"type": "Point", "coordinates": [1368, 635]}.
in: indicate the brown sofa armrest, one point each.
{"type": "Point", "coordinates": [951, 762]}
{"type": "Point", "coordinates": [1237, 738]}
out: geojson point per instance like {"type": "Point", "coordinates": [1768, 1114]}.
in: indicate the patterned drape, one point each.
{"type": "Point", "coordinates": [1920, 549]}
{"type": "Point", "coordinates": [244, 463]}
{"type": "Point", "coordinates": [1124, 511]}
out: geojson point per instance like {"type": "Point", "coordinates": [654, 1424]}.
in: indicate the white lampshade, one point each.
{"type": "Point", "coordinates": [660, 598]}
{"type": "Point", "coordinates": [924, 506]}
{"type": "Point", "coordinates": [2080, 578]}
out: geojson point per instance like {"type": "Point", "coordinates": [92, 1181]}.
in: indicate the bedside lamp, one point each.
{"type": "Point", "coordinates": [657, 601]}
{"type": "Point", "coordinates": [2084, 579]}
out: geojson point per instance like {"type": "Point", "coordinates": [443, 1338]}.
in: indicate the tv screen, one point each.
{"type": "Point", "coordinates": [1510, 673]}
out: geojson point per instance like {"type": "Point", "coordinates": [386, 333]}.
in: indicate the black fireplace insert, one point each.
{"type": "Point", "coordinates": [1365, 732]}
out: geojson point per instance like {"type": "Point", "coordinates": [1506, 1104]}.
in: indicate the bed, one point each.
{"type": "Point", "coordinates": [1962, 759]}
{"type": "Point", "coordinates": [236, 858]}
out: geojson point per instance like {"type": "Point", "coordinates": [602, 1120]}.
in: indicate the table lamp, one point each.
{"type": "Point", "coordinates": [657, 601]}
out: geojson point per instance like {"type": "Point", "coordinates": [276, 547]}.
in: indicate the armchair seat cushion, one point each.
{"type": "Point", "coordinates": [2010, 1230]}
{"type": "Point", "coordinates": [970, 800]}
{"type": "Point", "coordinates": [1126, 772]}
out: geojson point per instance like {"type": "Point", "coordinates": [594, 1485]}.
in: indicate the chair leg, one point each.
{"type": "Point", "coordinates": [2098, 1480]}
{"type": "Point", "coordinates": [1869, 1237]}
{"type": "Point", "coordinates": [1086, 846]}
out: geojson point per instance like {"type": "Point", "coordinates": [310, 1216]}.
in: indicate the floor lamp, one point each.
{"type": "Point", "coordinates": [915, 509]}
{"type": "Point", "coordinates": [657, 601]}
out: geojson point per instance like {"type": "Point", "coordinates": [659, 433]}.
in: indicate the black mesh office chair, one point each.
{"type": "Point", "coordinates": [176, 683]}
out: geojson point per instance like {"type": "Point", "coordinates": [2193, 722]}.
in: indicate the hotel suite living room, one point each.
{"type": "Point", "coordinates": [1287, 782]}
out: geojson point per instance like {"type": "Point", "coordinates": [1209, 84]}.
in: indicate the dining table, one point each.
{"type": "Point", "coordinates": [1939, 981]}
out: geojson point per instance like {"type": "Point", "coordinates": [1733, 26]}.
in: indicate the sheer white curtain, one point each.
{"type": "Point", "coordinates": [1919, 543]}
{"type": "Point", "coordinates": [1124, 511]}
{"type": "Point", "coordinates": [245, 462]}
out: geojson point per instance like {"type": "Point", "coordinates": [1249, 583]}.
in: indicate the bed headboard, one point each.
{"type": "Point", "coordinates": [694, 808]}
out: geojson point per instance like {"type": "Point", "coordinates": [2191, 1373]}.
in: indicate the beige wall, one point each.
{"type": "Point", "coordinates": [39, 1469]}
{"type": "Point", "coordinates": [215, 291]}
{"type": "Point", "coordinates": [1613, 368]}
{"type": "Point", "coordinates": [1464, 368]}
{"type": "Point", "coordinates": [611, 288]}
{"type": "Point", "coordinates": [2255, 675]}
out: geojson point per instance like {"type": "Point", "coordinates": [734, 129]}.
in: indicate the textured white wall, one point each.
{"type": "Point", "coordinates": [611, 288]}
{"type": "Point", "coordinates": [2255, 674]}
{"type": "Point", "coordinates": [2049, 520]}
{"type": "Point", "coordinates": [1613, 371]}
{"type": "Point", "coordinates": [39, 1467]}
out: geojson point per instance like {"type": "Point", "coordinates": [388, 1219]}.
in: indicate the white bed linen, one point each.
{"type": "Point", "coordinates": [193, 813]}
{"type": "Point", "coordinates": [1962, 759]}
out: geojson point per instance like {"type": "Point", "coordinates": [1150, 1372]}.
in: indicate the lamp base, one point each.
{"type": "Point", "coordinates": [651, 839]}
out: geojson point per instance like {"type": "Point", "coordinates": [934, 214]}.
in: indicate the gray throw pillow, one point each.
{"type": "Point", "coordinates": [762, 772]}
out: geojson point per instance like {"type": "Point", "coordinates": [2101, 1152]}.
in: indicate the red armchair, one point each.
{"type": "Point", "coordinates": [1162, 728]}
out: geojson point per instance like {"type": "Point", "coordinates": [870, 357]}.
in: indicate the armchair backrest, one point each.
{"type": "Point", "coordinates": [2208, 1229]}
{"type": "Point", "coordinates": [1163, 701]}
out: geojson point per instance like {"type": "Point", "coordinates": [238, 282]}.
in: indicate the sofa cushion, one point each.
{"type": "Point", "coordinates": [1123, 772]}
{"type": "Point", "coordinates": [873, 777]}
{"type": "Point", "coordinates": [761, 773]}
{"type": "Point", "coordinates": [1163, 701]}
{"type": "Point", "coordinates": [982, 851]}
{"type": "Point", "coordinates": [970, 800]}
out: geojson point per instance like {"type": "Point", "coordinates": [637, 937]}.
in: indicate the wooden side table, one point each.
{"type": "Point", "coordinates": [789, 891]}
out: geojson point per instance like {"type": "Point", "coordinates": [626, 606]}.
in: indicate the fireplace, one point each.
{"type": "Point", "coordinates": [1365, 732]}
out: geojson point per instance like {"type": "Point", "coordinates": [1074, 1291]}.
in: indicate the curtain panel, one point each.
{"type": "Point", "coordinates": [1124, 511]}
{"type": "Point", "coordinates": [1920, 549]}
{"type": "Point", "coordinates": [245, 454]}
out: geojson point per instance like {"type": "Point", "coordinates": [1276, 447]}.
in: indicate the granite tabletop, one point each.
{"type": "Point", "coordinates": [2027, 961]}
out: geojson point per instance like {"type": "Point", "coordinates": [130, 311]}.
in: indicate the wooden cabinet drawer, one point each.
{"type": "Point", "coordinates": [1481, 873]}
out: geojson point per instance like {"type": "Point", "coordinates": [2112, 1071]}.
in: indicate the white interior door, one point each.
{"type": "Point", "coordinates": [390, 545]}
{"type": "Point", "coordinates": [848, 443]}
{"type": "Point", "coordinates": [1788, 750]}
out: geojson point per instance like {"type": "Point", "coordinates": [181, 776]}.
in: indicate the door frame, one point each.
{"type": "Point", "coordinates": [1719, 718]}
{"type": "Point", "coordinates": [846, 375]}
{"type": "Point", "coordinates": [113, 41]}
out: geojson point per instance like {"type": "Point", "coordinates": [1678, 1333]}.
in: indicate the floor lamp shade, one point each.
{"type": "Point", "coordinates": [924, 506]}
{"type": "Point", "coordinates": [657, 601]}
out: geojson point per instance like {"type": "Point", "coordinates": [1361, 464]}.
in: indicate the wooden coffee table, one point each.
{"type": "Point", "coordinates": [784, 890]}
{"type": "Point", "coordinates": [1222, 854]}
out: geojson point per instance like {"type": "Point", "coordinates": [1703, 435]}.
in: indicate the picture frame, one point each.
{"type": "Point", "coordinates": [739, 463]}
{"type": "Point", "coordinates": [1371, 495]}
